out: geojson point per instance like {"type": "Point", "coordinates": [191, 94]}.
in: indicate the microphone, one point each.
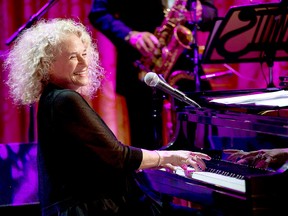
{"type": "Point", "coordinates": [153, 80]}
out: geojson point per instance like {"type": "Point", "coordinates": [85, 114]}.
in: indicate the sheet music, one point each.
{"type": "Point", "coordinates": [233, 42]}
{"type": "Point", "coordinates": [277, 98]}
{"type": "Point", "coordinates": [214, 178]}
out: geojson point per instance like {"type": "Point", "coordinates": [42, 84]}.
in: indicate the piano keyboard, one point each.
{"type": "Point", "coordinates": [223, 174]}
{"type": "Point", "coordinates": [216, 179]}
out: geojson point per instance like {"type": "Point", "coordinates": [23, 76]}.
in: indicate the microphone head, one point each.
{"type": "Point", "coordinates": [151, 79]}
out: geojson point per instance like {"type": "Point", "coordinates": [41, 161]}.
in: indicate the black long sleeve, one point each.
{"type": "Point", "coordinates": [78, 155]}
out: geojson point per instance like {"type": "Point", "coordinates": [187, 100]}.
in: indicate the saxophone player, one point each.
{"type": "Point", "coordinates": [130, 25]}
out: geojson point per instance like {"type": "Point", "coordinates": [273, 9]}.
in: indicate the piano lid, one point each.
{"type": "Point", "coordinates": [272, 125]}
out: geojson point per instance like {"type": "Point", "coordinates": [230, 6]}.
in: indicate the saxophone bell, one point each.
{"type": "Point", "coordinates": [181, 39]}
{"type": "Point", "coordinates": [184, 36]}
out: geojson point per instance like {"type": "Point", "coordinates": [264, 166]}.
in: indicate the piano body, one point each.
{"type": "Point", "coordinates": [225, 188]}
{"type": "Point", "coordinates": [248, 33]}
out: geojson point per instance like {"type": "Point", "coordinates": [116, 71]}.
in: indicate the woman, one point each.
{"type": "Point", "coordinates": [83, 169]}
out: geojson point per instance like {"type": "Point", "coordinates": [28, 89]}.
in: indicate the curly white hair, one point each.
{"type": "Point", "coordinates": [31, 56]}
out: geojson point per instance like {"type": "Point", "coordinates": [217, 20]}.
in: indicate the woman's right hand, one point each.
{"type": "Point", "coordinates": [182, 158]}
{"type": "Point", "coordinates": [172, 160]}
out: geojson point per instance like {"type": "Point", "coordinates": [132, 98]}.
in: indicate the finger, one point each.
{"type": "Point", "coordinates": [197, 163]}
{"type": "Point", "coordinates": [243, 161]}
{"type": "Point", "coordinates": [233, 157]}
{"type": "Point", "coordinates": [236, 156]}
{"type": "Point", "coordinates": [184, 166]}
{"type": "Point", "coordinates": [264, 161]}
{"type": "Point", "coordinates": [261, 164]}
{"type": "Point", "coordinates": [189, 172]}
{"type": "Point", "coordinates": [169, 167]}
{"type": "Point", "coordinates": [201, 155]}
{"type": "Point", "coordinates": [200, 163]}
{"type": "Point", "coordinates": [268, 162]}
{"type": "Point", "coordinates": [194, 165]}
{"type": "Point", "coordinates": [150, 45]}
{"type": "Point", "coordinates": [142, 47]}
{"type": "Point", "coordinates": [154, 39]}
{"type": "Point", "coordinates": [251, 154]}
{"type": "Point", "coordinates": [255, 159]}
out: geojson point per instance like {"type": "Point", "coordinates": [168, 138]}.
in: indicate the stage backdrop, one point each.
{"type": "Point", "coordinates": [17, 124]}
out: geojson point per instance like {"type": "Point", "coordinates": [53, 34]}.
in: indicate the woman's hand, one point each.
{"type": "Point", "coordinates": [173, 159]}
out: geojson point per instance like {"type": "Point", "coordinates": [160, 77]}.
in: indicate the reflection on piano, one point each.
{"type": "Point", "coordinates": [225, 188]}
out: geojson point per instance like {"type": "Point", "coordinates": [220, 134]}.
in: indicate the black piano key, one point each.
{"type": "Point", "coordinates": [233, 169]}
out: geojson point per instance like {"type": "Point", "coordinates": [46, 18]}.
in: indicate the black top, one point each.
{"type": "Point", "coordinates": [79, 158]}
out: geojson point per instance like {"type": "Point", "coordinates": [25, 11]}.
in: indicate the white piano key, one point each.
{"type": "Point", "coordinates": [214, 178]}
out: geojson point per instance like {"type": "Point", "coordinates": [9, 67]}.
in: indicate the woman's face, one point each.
{"type": "Point", "coordinates": [69, 70]}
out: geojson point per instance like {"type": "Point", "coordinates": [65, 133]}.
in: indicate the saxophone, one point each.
{"type": "Point", "coordinates": [173, 37]}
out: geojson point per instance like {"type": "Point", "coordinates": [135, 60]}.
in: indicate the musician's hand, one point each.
{"type": "Point", "coordinates": [145, 42]}
{"type": "Point", "coordinates": [173, 159]}
{"type": "Point", "coordinates": [264, 158]}
{"type": "Point", "coordinates": [199, 11]}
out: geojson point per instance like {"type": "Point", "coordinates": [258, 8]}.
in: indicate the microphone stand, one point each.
{"type": "Point", "coordinates": [31, 21]}
{"type": "Point", "coordinates": [194, 46]}
{"type": "Point", "coordinates": [157, 107]}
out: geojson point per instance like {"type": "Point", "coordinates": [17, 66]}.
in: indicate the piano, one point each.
{"type": "Point", "coordinates": [225, 188]}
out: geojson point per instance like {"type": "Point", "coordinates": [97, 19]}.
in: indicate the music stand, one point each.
{"type": "Point", "coordinates": [250, 33]}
